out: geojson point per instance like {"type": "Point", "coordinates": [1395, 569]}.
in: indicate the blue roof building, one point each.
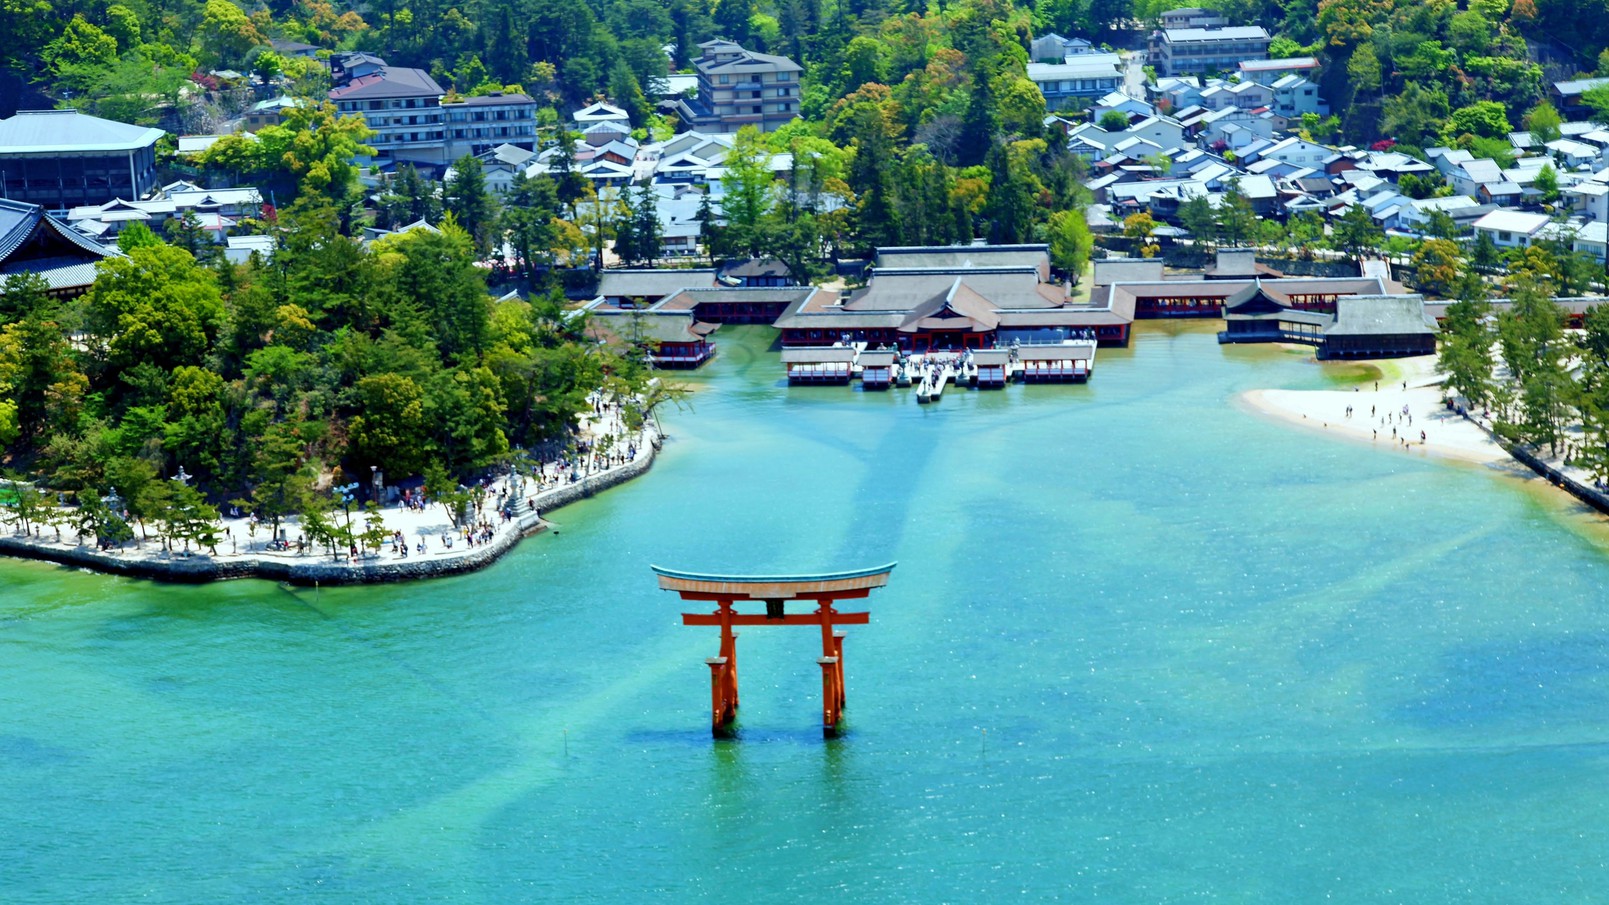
{"type": "Point", "coordinates": [64, 158]}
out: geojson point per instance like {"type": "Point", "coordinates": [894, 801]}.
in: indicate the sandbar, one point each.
{"type": "Point", "coordinates": [1376, 413]}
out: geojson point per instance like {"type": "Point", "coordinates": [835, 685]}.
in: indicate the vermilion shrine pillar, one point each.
{"type": "Point", "coordinates": [727, 591]}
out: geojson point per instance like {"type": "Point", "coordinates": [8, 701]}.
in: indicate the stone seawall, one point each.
{"type": "Point", "coordinates": [1586, 494]}
{"type": "Point", "coordinates": [318, 569]}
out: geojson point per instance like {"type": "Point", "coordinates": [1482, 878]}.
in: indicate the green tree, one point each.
{"type": "Point", "coordinates": [410, 198]}
{"type": "Point", "coordinates": [1356, 233]}
{"type": "Point", "coordinates": [1486, 119]}
{"type": "Point", "coordinates": [1531, 336]}
{"type": "Point", "coordinates": [23, 295]}
{"type": "Point", "coordinates": [435, 273]}
{"type": "Point", "coordinates": [1464, 354]}
{"type": "Point", "coordinates": [389, 427]}
{"type": "Point", "coordinates": [1439, 262]}
{"type": "Point", "coordinates": [1237, 221]}
{"type": "Point", "coordinates": [1010, 206]}
{"type": "Point", "coordinates": [135, 482]}
{"type": "Point", "coordinates": [1547, 182]}
{"type": "Point", "coordinates": [532, 206]}
{"type": "Point", "coordinates": [748, 198]}
{"type": "Point", "coordinates": [1198, 218]}
{"type": "Point", "coordinates": [226, 34]}
{"type": "Point", "coordinates": [156, 305]}
{"type": "Point", "coordinates": [1363, 69]}
{"type": "Point", "coordinates": [1544, 123]}
{"type": "Point", "coordinates": [281, 481]}
{"type": "Point", "coordinates": [1113, 121]}
{"type": "Point", "coordinates": [1070, 243]}
{"type": "Point", "coordinates": [81, 44]}
{"type": "Point", "coordinates": [1594, 393]}
{"type": "Point", "coordinates": [472, 204]}
{"type": "Point", "coordinates": [24, 502]}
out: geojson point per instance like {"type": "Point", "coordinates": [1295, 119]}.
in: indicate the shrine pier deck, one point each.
{"type": "Point", "coordinates": [930, 373]}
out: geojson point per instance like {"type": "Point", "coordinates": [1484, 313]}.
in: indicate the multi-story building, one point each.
{"type": "Point", "coordinates": [475, 125]}
{"type": "Point", "coordinates": [403, 107]}
{"type": "Point", "coordinates": [412, 123]}
{"type": "Point", "coordinates": [1192, 17]}
{"type": "Point", "coordinates": [1267, 72]}
{"type": "Point", "coordinates": [1086, 75]}
{"type": "Point", "coordinates": [62, 158]}
{"type": "Point", "coordinates": [738, 88]}
{"type": "Point", "coordinates": [1200, 50]}
{"type": "Point", "coordinates": [1295, 96]}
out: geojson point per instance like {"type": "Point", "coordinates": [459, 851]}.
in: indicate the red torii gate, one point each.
{"type": "Point", "coordinates": [774, 591]}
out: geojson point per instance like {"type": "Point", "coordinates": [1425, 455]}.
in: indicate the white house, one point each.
{"type": "Point", "coordinates": [1086, 75]}
{"type": "Point", "coordinates": [1512, 229]}
{"type": "Point", "coordinates": [1294, 96]}
{"type": "Point", "coordinates": [1297, 151]}
{"type": "Point", "coordinates": [1123, 104]}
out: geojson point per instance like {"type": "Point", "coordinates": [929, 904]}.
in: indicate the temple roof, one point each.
{"type": "Point", "coordinates": [33, 241]}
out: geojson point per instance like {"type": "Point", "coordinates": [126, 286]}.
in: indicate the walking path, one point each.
{"type": "Point", "coordinates": [244, 550]}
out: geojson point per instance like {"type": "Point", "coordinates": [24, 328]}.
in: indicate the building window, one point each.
{"type": "Point", "coordinates": [726, 80]}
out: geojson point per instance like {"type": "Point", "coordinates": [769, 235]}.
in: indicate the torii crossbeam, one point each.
{"type": "Point", "coordinates": [775, 591]}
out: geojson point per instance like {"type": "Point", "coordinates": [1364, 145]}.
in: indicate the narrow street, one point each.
{"type": "Point", "coordinates": [1134, 74]}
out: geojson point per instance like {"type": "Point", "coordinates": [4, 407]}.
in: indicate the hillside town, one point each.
{"type": "Point", "coordinates": [301, 217]}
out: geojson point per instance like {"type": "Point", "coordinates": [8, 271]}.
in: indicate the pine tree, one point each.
{"type": "Point", "coordinates": [645, 224]}
{"type": "Point", "coordinates": [472, 204]}
{"type": "Point", "coordinates": [1009, 210]}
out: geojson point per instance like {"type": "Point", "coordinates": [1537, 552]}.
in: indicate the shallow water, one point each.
{"type": "Point", "coordinates": [1141, 646]}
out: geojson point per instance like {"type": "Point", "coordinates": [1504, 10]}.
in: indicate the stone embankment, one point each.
{"type": "Point", "coordinates": [313, 568]}
{"type": "Point", "coordinates": [1574, 481]}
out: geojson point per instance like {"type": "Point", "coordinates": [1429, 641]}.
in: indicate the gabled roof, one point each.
{"type": "Point", "coordinates": [1279, 63]}
{"type": "Point", "coordinates": [1375, 315]}
{"type": "Point", "coordinates": [393, 82]}
{"type": "Point", "coordinates": [599, 111]}
{"type": "Point", "coordinates": [32, 241]}
{"type": "Point", "coordinates": [19, 221]}
{"type": "Point", "coordinates": [1483, 170]}
{"type": "Point", "coordinates": [48, 131]}
{"type": "Point", "coordinates": [654, 284]}
{"type": "Point", "coordinates": [1512, 222]}
{"type": "Point", "coordinates": [743, 59]}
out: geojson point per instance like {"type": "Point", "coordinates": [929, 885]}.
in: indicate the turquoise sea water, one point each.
{"type": "Point", "coordinates": [1141, 646]}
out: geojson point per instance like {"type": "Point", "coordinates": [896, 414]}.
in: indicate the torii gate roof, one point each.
{"type": "Point", "coordinates": [773, 587]}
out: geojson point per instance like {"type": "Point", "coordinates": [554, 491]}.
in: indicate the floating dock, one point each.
{"type": "Point", "coordinates": [1071, 361]}
{"type": "Point", "coordinates": [834, 364]}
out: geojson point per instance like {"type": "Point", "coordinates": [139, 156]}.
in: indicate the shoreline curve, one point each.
{"type": "Point", "coordinates": [200, 568]}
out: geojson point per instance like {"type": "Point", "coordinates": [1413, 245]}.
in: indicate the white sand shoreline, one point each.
{"type": "Point", "coordinates": [1376, 413]}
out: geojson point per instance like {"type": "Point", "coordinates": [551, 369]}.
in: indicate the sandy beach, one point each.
{"type": "Point", "coordinates": [1376, 413]}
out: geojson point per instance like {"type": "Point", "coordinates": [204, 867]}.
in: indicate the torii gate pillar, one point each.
{"type": "Point", "coordinates": [826, 589]}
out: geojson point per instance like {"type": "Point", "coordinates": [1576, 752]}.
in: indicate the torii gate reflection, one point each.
{"type": "Point", "coordinates": [775, 590]}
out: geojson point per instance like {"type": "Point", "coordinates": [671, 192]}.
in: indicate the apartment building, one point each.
{"type": "Point", "coordinates": [1090, 75]}
{"type": "Point", "coordinates": [738, 88]}
{"type": "Point", "coordinates": [412, 123]}
{"type": "Point", "coordinates": [476, 125]}
{"type": "Point", "coordinates": [1192, 17]}
{"type": "Point", "coordinates": [1176, 51]}
{"type": "Point", "coordinates": [403, 107]}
